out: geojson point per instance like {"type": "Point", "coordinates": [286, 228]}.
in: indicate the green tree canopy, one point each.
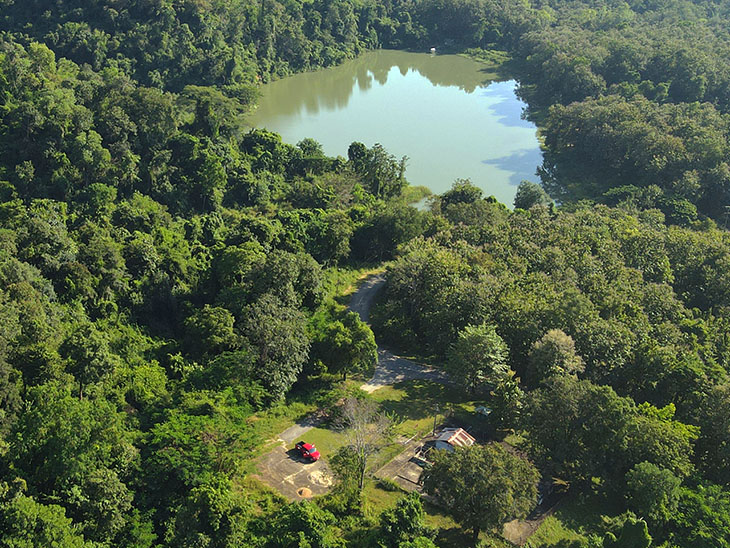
{"type": "Point", "coordinates": [26, 523]}
{"type": "Point", "coordinates": [279, 334]}
{"type": "Point", "coordinates": [652, 492]}
{"type": "Point", "coordinates": [477, 356]}
{"type": "Point", "coordinates": [482, 486]}
{"type": "Point", "coordinates": [553, 354]}
{"type": "Point", "coordinates": [304, 524]}
{"type": "Point", "coordinates": [405, 522]}
{"type": "Point", "coordinates": [531, 194]}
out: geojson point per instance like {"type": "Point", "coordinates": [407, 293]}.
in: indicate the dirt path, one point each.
{"type": "Point", "coordinates": [281, 468]}
{"type": "Point", "coordinates": [391, 369]}
{"type": "Point", "coordinates": [362, 299]}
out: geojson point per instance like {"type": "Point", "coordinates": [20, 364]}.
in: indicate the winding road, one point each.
{"type": "Point", "coordinates": [391, 369]}
{"type": "Point", "coordinates": [281, 467]}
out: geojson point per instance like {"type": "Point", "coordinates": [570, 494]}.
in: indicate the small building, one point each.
{"type": "Point", "coordinates": [450, 438]}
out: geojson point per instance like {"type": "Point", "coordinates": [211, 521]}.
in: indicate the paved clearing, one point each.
{"type": "Point", "coordinates": [403, 469]}
{"type": "Point", "coordinates": [284, 470]}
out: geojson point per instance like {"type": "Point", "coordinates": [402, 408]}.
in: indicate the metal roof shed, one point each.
{"type": "Point", "coordinates": [453, 437]}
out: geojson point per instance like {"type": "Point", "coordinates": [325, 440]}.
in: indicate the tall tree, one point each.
{"type": "Point", "coordinates": [366, 429]}
{"type": "Point", "coordinates": [210, 331]}
{"type": "Point", "coordinates": [278, 332]}
{"type": "Point", "coordinates": [713, 445]}
{"type": "Point", "coordinates": [479, 355]}
{"type": "Point", "coordinates": [531, 194]}
{"type": "Point", "coordinates": [346, 345]}
{"type": "Point", "coordinates": [304, 524]}
{"type": "Point", "coordinates": [652, 492]}
{"type": "Point", "coordinates": [90, 358]}
{"type": "Point", "coordinates": [634, 534]}
{"type": "Point", "coordinates": [568, 436]}
{"type": "Point", "coordinates": [405, 522]}
{"type": "Point", "coordinates": [553, 354]}
{"type": "Point", "coordinates": [24, 522]}
{"type": "Point", "coordinates": [482, 486]}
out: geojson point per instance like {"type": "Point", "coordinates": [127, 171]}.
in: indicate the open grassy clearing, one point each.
{"type": "Point", "coordinates": [416, 403]}
{"type": "Point", "coordinates": [412, 403]}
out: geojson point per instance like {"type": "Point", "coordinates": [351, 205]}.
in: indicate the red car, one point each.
{"type": "Point", "coordinates": [308, 451]}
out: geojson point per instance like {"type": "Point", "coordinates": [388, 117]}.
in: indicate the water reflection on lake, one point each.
{"type": "Point", "coordinates": [444, 112]}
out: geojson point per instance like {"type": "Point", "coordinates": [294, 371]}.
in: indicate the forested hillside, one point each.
{"type": "Point", "coordinates": [164, 276]}
{"type": "Point", "coordinates": [632, 98]}
{"type": "Point", "coordinates": [172, 44]}
{"type": "Point", "coordinates": [635, 310]}
{"type": "Point", "coordinates": [168, 278]}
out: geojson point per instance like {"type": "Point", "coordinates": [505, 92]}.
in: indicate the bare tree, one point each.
{"type": "Point", "coordinates": [366, 428]}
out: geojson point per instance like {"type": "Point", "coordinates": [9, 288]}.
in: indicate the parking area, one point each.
{"type": "Point", "coordinates": [295, 478]}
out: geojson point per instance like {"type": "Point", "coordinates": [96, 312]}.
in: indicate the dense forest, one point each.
{"type": "Point", "coordinates": [168, 279]}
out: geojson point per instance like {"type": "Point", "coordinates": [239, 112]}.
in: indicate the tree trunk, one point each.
{"type": "Point", "coordinates": [475, 536]}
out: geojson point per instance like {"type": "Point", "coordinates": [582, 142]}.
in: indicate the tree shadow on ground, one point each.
{"type": "Point", "coordinates": [454, 536]}
{"type": "Point", "coordinates": [421, 398]}
{"type": "Point", "coordinates": [584, 511]}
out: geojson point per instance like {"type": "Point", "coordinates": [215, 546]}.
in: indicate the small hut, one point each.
{"type": "Point", "coordinates": [450, 438]}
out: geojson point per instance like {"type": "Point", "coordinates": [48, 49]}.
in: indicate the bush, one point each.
{"type": "Point", "coordinates": [388, 485]}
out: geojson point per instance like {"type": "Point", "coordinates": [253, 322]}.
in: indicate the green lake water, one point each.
{"type": "Point", "coordinates": [444, 112]}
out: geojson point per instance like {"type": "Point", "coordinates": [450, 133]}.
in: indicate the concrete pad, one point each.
{"type": "Point", "coordinates": [410, 472]}
{"type": "Point", "coordinates": [295, 478]}
{"type": "Point", "coordinates": [294, 433]}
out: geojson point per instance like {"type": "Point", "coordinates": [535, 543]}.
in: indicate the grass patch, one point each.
{"type": "Point", "coordinates": [553, 532]}
{"type": "Point", "coordinates": [263, 498]}
{"type": "Point", "coordinates": [327, 441]}
{"type": "Point", "coordinates": [494, 57]}
{"type": "Point", "coordinates": [414, 194]}
{"type": "Point", "coordinates": [271, 422]}
{"type": "Point", "coordinates": [577, 517]}
{"type": "Point", "coordinates": [516, 439]}
{"type": "Point", "coordinates": [378, 499]}
{"type": "Point", "coordinates": [417, 402]}
{"type": "Point", "coordinates": [450, 534]}
{"type": "Point", "coordinates": [384, 456]}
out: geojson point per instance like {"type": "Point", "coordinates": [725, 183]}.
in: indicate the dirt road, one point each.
{"type": "Point", "coordinates": [282, 468]}
{"type": "Point", "coordinates": [362, 299]}
{"type": "Point", "coordinates": [391, 369]}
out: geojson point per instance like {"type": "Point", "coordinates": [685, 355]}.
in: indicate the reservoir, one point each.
{"type": "Point", "coordinates": [446, 113]}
